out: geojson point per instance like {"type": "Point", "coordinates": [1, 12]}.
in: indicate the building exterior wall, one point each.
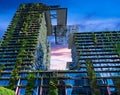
{"type": "Point", "coordinates": [98, 51]}
{"type": "Point", "coordinates": [24, 48]}
{"type": "Point", "coordinates": [25, 54]}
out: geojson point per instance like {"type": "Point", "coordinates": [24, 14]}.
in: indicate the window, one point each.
{"type": "Point", "coordinates": [6, 75]}
{"type": "Point", "coordinates": [37, 82]}
{"type": "Point", "coordinates": [4, 82]}
{"type": "Point", "coordinates": [23, 82]}
{"type": "Point", "coordinates": [35, 92]}
{"type": "Point", "coordinates": [22, 91]}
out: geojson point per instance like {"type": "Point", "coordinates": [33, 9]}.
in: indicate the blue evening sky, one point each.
{"type": "Point", "coordinates": [88, 13]}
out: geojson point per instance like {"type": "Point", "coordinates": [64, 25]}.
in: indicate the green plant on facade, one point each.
{"type": "Point", "coordinates": [117, 84]}
{"type": "Point", "coordinates": [117, 49]}
{"type": "Point", "coordinates": [92, 77]}
{"type": "Point", "coordinates": [15, 72]}
{"type": "Point", "coordinates": [0, 43]}
{"type": "Point", "coordinates": [94, 38]}
{"type": "Point", "coordinates": [30, 85]}
{"type": "Point", "coordinates": [53, 86]}
{"type": "Point", "coordinates": [25, 28]}
{"type": "Point", "coordinates": [14, 78]}
{"type": "Point", "coordinates": [11, 30]}
{"type": "Point", "coordinates": [9, 35]}
{"type": "Point", "coordinates": [79, 65]}
{"type": "Point", "coordinates": [111, 37]}
{"type": "Point", "coordinates": [18, 62]}
{"type": "Point", "coordinates": [53, 90]}
{"type": "Point", "coordinates": [1, 68]}
{"type": "Point", "coordinates": [5, 91]}
{"type": "Point", "coordinates": [22, 6]}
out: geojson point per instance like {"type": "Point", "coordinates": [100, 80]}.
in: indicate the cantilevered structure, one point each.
{"type": "Point", "coordinates": [25, 56]}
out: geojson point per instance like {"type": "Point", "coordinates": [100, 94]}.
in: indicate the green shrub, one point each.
{"type": "Point", "coordinates": [5, 91]}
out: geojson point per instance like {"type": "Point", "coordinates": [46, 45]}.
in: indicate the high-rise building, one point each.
{"type": "Point", "coordinates": [97, 56]}
{"type": "Point", "coordinates": [25, 41]}
{"type": "Point", "coordinates": [25, 57]}
{"type": "Point", "coordinates": [25, 54]}
{"type": "Point", "coordinates": [24, 47]}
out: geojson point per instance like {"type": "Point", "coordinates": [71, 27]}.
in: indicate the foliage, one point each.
{"type": "Point", "coordinates": [53, 84]}
{"type": "Point", "coordinates": [13, 79]}
{"type": "Point", "coordinates": [97, 92]}
{"type": "Point", "coordinates": [53, 87]}
{"type": "Point", "coordinates": [1, 68]}
{"type": "Point", "coordinates": [92, 77]}
{"type": "Point", "coordinates": [0, 43]}
{"type": "Point", "coordinates": [22, 6]}
{"type": "Point", "coordinates": [117, 48]}
{"type": "Point", "coordinates": [15, 72]}
{"type": "Point", "coordinates": [117, 84]}
{"type": "Point", "coordinates": [5, 91]}
{"type": "Point", "coordinates": [94, 38]}
{"type": "Point", "coordinates": [14, 75]}
{"type": "Point", "coordinates": [30, 85]}
{"type": "Point", "coordinates": [11, 30]}
{"type": "Point", "coordinates": [79, 65]}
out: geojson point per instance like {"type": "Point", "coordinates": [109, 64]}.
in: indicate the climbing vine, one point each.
{"type": "Point", "coordinates": [117, 49]}
{"type": "Point", "coordinates": [92, 77]}
{"type": "Point", "coordinates": [30, 85]}
{"type": "Point", "coordinates": [1, 68]}
{"type": "Point", "coordinates": [53, 90]}
{"type": "Point", "coordinates": [94, 38]}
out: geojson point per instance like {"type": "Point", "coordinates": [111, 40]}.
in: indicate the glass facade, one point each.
{"type": "Point", "coordinates": [102, 51]}
{"type": "Point", "coordinates": [25, 59]}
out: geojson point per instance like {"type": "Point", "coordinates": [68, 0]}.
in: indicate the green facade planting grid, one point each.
{"type": "Point", "coordinates": [24, 46]}
{"type": "Point", "coordinates": [25, 59]}
{"type": "Point", "coordinates": [98, 54]}
{"type": "Point", "coordinates": [25, 41]}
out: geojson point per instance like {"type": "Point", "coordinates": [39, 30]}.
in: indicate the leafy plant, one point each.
{"type": "Point", "coordinates": [53, 87]}
{"type": "Point", "coordinates": [117, 48]}
{"type": "Point", "coordinates": [79, 65]}
{"type": "Point", "coordinates": [5, 91]}
{"type": "Point", "coordinates": [30, 85]}
{"type": "Point", "coordinates": [22, 6]}
{"type": "Point", "coordinates": [117, 84]}
{"type": "Point", "coordinates": [94, 38]}
{"type": "Point", "coordinates": [92, 77]}
{"type": "Point", "coordinates": [13, 79]}
{"type": "Point", "coordinates": [1, 68]}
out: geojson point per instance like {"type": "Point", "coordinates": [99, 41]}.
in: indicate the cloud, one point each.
{"type": "Point", "coordinates": [59, 65]}
{"type": "Point", "coordinates": [110, 24]}
{"type": "Point", "coordinates": [60, 55]}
